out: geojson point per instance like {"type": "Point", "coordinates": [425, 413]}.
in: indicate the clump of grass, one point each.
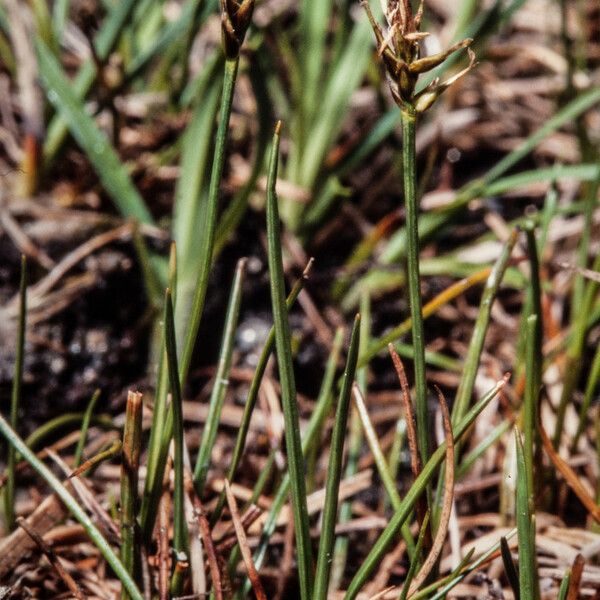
{"type": "Point", "coordinates": [322, 78]}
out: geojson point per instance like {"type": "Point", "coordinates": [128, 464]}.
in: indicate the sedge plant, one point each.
{"type": "Point", "coordinates": [401, 50]}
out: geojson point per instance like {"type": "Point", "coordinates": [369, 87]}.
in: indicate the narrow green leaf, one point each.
{"type": "Point", "coordinates": [340, 553]}
{"type": "Point", "coordinates": [110, 170]}
{"type": "Point", "coordinates": [509, 568]}
{"type": "Point", "coordinates": [471, 362]}
{"type": "Point", "coordinates": [179, 522]}
{"type": "Point", "coordinates": [528, 580]}
{"type": "Point", "coordinates": [85, 424]}
{"type": "Point", "coordinates": [414, 563]}
{"type": "Point", "coordinates": [217, 396]}
{"type": "Point", "coordinates": [105, 40]}
{"type": "Point", "coordinates": [382, 467]}
{"type": "Point", "coordinates": [286, 377]}
{"type": "Point", "coordinates": [334, 470]}
{"type": "Point", "coordinates": [530, 404]}
{"type": "Point", "coordinates": [564, 586]}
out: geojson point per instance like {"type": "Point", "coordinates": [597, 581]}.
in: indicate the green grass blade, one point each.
{"type": "Point", "coordinates": [564, 586]}
{"type": "Point", "coordinates": [179, 522]}
{"type": "Point", "coordinates": [569, 112]}
{"type": "Point", "coordinates": [286, 377]}
{"type": "Point", "coordinates": [170, 34]}
{"type": "Point", "coordinates": [161, 430]}
{"type": "Point", "coordinates": [343, 80]}
{"type": "Point", "coordinates": [530, 404]}
{"type": "Point", "coordinates": [217, 396]}
{"type": "Point", "coordinates": [250, 403]}
{"type": "Point", "coordinates": [355, 440]}
{"type": "Point", "coordinates": [78, 513]}
{"type": "Point", "coordinates": [461, 574]}
{"type": "Point", "coordinates": [490, 439]}
{"type": "Point", "coordinates": [60, 14]}
{"type": "Point", "coordinates": [85, 424]}
{"type": "Point", "coordinates": [315, 16]}
{"type": "Point", "coordinates": [334, 470]}
{"type": "Point", "coordinates": [528, 580]}
{"type": "Point", "coordinates": [390, 532]}
{"type": "Point", "coordinates": [50, 428]}
{"type": "Point", "coordinates": [189, 210]}
{"type": "Point", "coordinates": [509, 568]}
{"type": "Point", "coordinates": [414, 563]}
{"type": "Point", "coordinates": [104, 43]}
{"type": "Point", "coordinates": [104, 159]}
{"type": "Point", "coordinates": [15, 396]}
{"type": "Point", "coordinates": [471, 363]}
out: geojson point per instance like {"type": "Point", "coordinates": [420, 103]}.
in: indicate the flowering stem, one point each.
{"type": "Point", "coordinates": [414, 291]}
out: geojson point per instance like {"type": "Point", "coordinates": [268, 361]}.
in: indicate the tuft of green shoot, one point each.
{"type": "Point", "coordinates": [286, 377]}
{"type": "Point", "coordinates": [334, 470]}
{"type": "Point", "coordinates": [15, 397]}
{"type": "Point", "coordinates": [219, 388]}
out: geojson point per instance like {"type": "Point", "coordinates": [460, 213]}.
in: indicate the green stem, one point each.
{"type": "Point", "coordinates": [334, 470]}
{"type": "Point", "coordinates": [355, 439]}
{"type": "Point", "coordinates": [530, 403]}
{"type": "Point", "coordinates": [179, 522]}
{"type": "Point", "coordinates": [206, 246]}
{"type": "Point", "coordinates": [409, 163]}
